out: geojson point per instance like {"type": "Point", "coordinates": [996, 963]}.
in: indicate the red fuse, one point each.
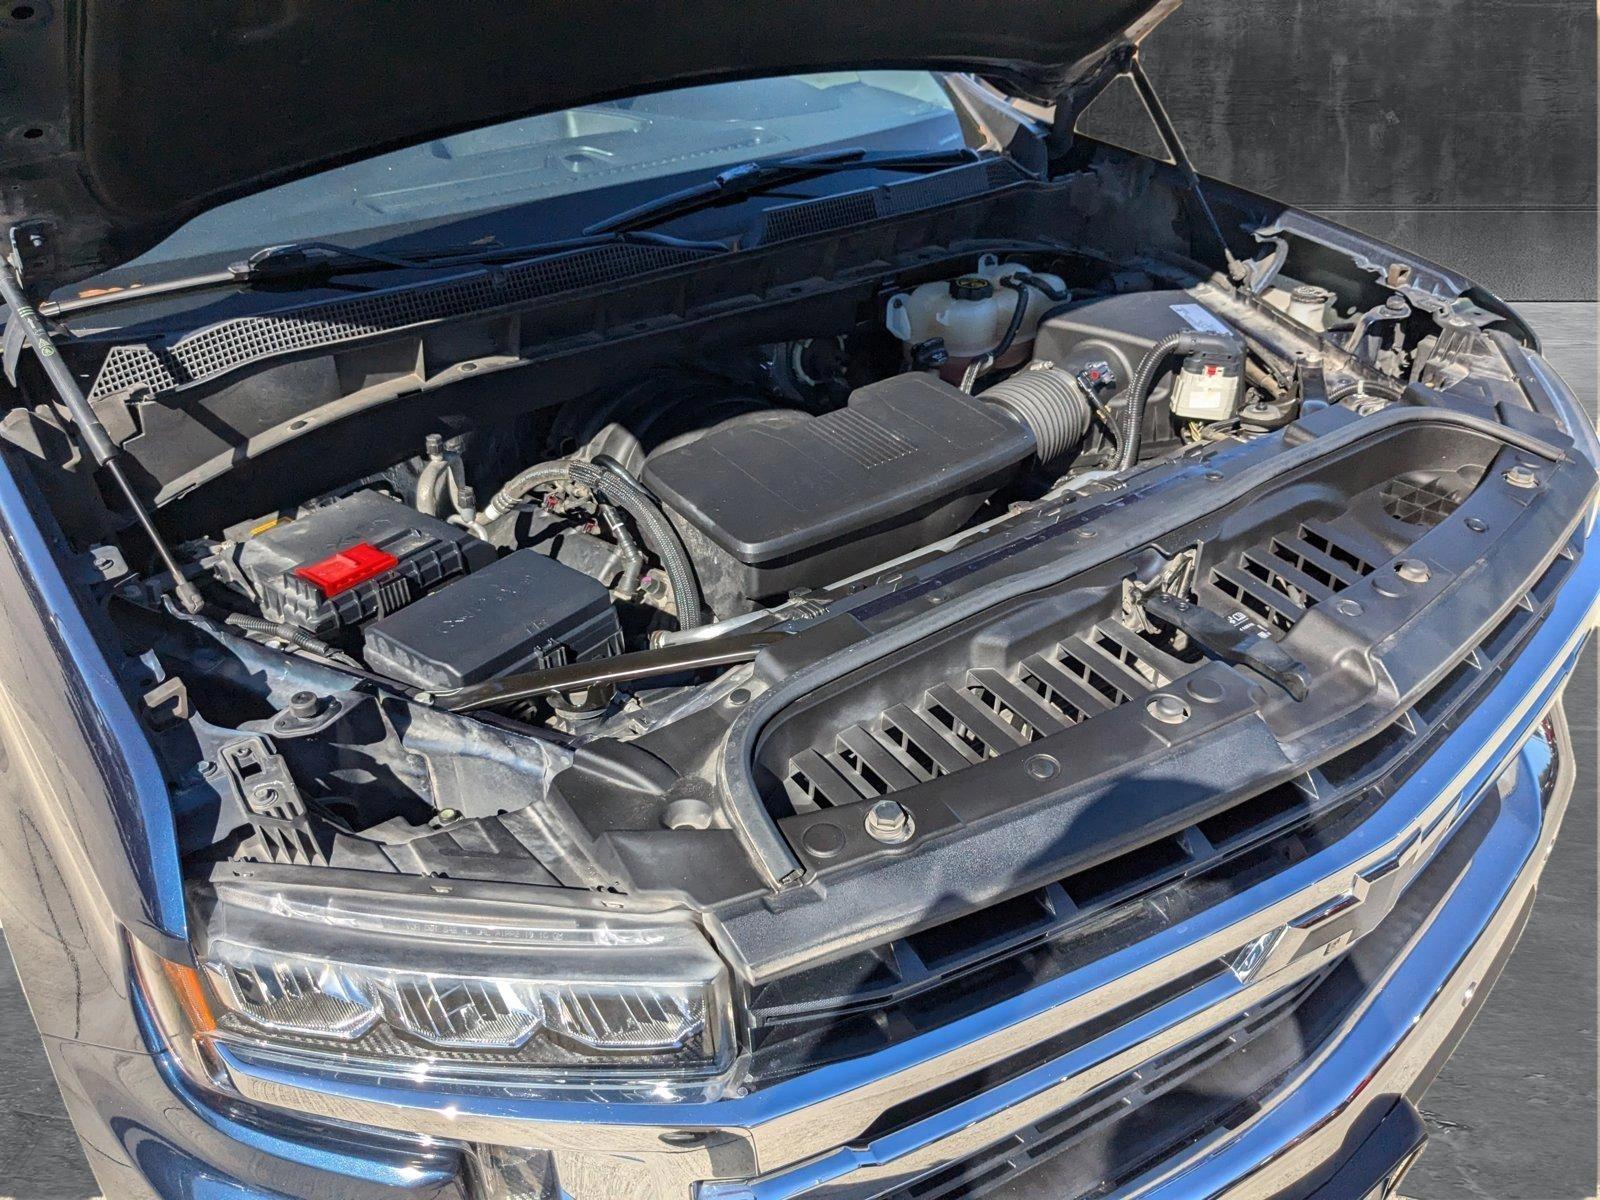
{"type": "Point", "coordinates": [343, 570]}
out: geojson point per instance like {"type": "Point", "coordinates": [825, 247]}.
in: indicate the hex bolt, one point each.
{"type": "Point", "coordinates": [1169, 710]}
{"type": "Point", "coordinates": [889, 822]}
{"type": "Point", "coordinates": [1522, 476]}
{"type": "Point", "coordinates": [303, 705]}
{"type": "Point", "coordinates": [1413, 570]}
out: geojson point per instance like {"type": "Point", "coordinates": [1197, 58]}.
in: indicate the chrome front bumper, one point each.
{"type": "Point", "coordinates": [808, 1137]}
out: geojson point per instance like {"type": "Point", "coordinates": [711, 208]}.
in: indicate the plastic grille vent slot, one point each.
{"type": "Point", "coordinates": [228, 345]}
{"type": "Point", "coordinates": [947, 187]}
{"type": "Point", "coordinates": [1095, 1118]}
{"type": "Point", "coordinates": [1277, 583]}
{"type": "Point", "coordinates": [990, 712]}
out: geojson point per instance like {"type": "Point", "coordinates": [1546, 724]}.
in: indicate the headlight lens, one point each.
{"type": "Point", "coordinates": [477, 991]}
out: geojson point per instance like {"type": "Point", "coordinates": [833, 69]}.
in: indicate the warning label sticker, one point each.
{"type": "Point", "coordinates": [1200, 318]}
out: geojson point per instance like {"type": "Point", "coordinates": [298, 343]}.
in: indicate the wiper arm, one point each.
{"type": "Point", "coordinates": [750, 178]}
{"type": "Point", "coordinates": [291, 262]}
{"type": "Point", "coordinates": [317, 262]}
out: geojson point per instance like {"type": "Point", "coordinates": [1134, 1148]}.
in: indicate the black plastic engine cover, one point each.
{"type": "Point", "coordinates": [784, 500]}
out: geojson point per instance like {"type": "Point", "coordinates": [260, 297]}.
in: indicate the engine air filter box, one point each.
{"type": "Point", "coordinates": [523, 613]}
{"type": "Point", "coordinates": [782, 500]}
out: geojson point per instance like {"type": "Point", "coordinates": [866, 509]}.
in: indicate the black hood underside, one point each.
{"type": "Point", "coordinates": [136, 117]}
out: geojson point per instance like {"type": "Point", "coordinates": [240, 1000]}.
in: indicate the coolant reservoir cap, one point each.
{"type": "Point", "coordinates": [971, 287]}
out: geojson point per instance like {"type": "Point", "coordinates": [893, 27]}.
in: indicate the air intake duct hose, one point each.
{"type": "Point", "coordinates": [1144, 377]}
{"type": "Point", "coordinates": [1049, 403]}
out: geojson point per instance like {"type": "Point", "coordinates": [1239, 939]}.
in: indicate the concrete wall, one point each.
{"type": "Point", "coordinates": [1461, 129]}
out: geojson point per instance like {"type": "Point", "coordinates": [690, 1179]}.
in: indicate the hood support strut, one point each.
{"type": "Point", "coordinates": [1174, 145]}
{"type": "Point", "coordinates": [91, 432]}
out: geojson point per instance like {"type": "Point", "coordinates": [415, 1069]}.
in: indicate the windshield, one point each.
{"type": "Point", "coordinates": [575, 165]}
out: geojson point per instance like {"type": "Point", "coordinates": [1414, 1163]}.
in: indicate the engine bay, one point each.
{"type": "Point", "coordinates": [712, 495]}
{"type": "Point", "coordinates": [528, 626]}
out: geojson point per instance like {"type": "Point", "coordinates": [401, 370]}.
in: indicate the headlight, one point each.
{"type": "Point", "coordinates": [377, 983]}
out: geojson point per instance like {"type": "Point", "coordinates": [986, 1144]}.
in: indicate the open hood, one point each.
{"type": "Point", "coordinates": [118, 122]}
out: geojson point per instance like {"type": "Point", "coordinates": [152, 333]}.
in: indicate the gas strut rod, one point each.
{"type": "Point", "coordinates": [1169, 139]}
{"type": "Point", "coordinates": [90, 431]}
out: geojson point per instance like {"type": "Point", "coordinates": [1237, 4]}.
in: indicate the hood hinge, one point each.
{"type": "Point", "coordinates": [32, 249]}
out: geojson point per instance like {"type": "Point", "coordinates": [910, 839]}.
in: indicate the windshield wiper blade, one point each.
{"type": "Point", "coordinates": [749, 178]}
{"type": "Point", "coordinates": [317, 262]}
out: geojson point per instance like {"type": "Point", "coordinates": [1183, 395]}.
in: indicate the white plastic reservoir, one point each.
{"type": "Point", "coordinates": [970, 312]}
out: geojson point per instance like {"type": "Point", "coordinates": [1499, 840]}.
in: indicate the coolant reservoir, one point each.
{"type": "Point", "coordinates": [970, 313]}
{"type": "Point", "coordinates": [969, 316]}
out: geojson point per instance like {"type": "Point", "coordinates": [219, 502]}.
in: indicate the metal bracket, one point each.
{"type": "Point", "coordinates": [1394, 308]}
{"type": "Point", "coordinates": [31, 246]}
{"type": "Point", "coordinates": [259, 779]}
{"type": "Point", "coordinates": [1173, 576]}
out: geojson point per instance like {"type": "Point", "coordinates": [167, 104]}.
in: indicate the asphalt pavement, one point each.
{"type": "Point", "coordinates": [1511, 1117]}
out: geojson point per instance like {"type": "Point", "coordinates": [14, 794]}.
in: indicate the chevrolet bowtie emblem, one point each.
{"type": "Point", "coordinates": [1338, 923]}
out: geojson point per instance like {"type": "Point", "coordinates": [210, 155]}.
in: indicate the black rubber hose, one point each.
{"type": "Point", "coordinates": [660, 538]}
{"type": "Point", "coordinates": [1050, 290]}
{"type": "Point", "coordinates": [522, 484]}
{"type": "Point", "coordinates": [1021, 282]}
{"type": "Point", "coordinates": [627, 549]}
{"type": "Point", "coordinates": [1018, 314]}
{"type": "Point", "coordinates": [1055, 310]}
{"type": "Point", "coordinates": [1138, 394]}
